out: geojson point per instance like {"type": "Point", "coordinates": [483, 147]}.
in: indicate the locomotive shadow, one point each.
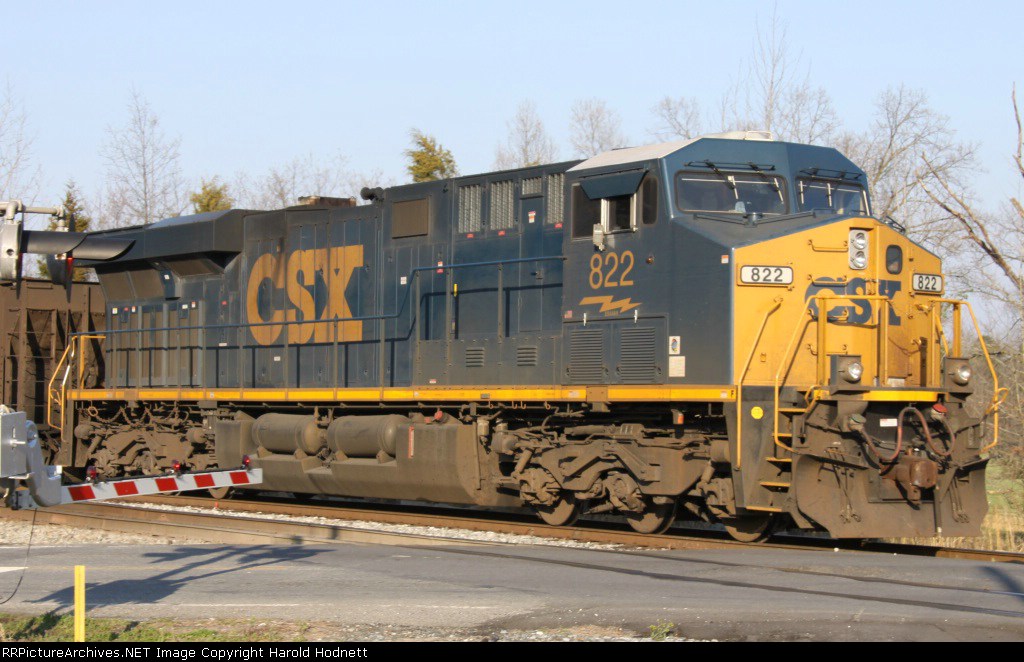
{"type": "Point", "coordinates": [201, 564]}
{"type": "Point", "coordinates": [1010, 583]}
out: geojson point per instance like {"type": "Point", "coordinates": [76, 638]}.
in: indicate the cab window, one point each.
{"type": "Point", "coordinates": [842, 198]}
{"type": "Point", "coordinates": [615, 213]}
{"type": "Point", "coordinates": [731, 193]}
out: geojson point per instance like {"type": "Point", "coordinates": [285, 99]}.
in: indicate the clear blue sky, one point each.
{"type": "Point", "coordinates": [250, 84]}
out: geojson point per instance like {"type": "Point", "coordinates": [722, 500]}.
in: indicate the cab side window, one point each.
{"type": "Point", "coordinates": [615, 213]}
{"type": "Point", "coordinates": [586, 213]}
{"type": "Point", "coordinates": [649, 200]}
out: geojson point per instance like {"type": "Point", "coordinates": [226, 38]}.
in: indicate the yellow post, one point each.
{"type": "Point", "coordinates": [80, 603]}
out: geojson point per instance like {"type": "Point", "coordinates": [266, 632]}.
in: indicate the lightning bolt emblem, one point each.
{"type": "Point", "coordinates": [608, 304]}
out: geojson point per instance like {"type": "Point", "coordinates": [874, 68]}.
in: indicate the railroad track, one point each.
{"type": "Point", "coordinates": [239, 525]}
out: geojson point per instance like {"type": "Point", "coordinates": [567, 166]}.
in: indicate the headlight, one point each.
{"type": "Point", "coordinates": [859, 247]}
{"type": "Point", "coordinates": [962, 374]}
{"type": "Point", "coordinates": [854, 371]}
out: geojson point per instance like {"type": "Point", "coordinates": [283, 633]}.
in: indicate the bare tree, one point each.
{"type": "Point", "coordinates": [987, 243]}
{"type": "Point", "coordinates": [890, 152]}
{"type": "Point", "coordinates": [282, 186]}
{"type": "Point", "coordinates": [528, 143]}
{"type": "Point", "coordinates": [768, 94]}
{"type": "Point", "coordinates": [995, 236]}
{"type": "Point", "coordinates": [144, 180]}
{"type": "Point", "coordinates": [677, 119]}
{"type": "Point", "coordinates": [594, 128]}
{"type": "Point", "coordinates": [18, 177]}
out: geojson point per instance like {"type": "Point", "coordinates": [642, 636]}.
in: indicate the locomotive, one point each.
{"type": "Point", "coordinates": [714, 330]}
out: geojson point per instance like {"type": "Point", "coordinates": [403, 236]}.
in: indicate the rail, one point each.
{"type": "Point", "coordinates": [57, 393]}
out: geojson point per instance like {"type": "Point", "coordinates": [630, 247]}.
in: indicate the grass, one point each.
{"type": "Point", "coordinates": [60, 628]}
{"type": "Point", "coordinates": [1003, 530]}
{"type": "Point", "coordinates": [662, 630]}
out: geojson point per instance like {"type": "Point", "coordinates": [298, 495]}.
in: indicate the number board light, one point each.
{"type": "Point", "coordinates": [757, 275]}
{"type": "Point", "coordinates": [928, 283]}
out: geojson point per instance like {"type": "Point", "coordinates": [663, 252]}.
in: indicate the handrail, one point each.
{"type": "Point", "coordinates": [364, 318]}
{"type": "Point", "coordinates": [60, 395]}
{"type": "Point", "coordinates": [999, 394]}
{"type": "Point", "coordinates": [402, 307]}
{"type": "Point", "coordinates": [822, 301]}
{"type": "Point", "coordinates": [739, 390]}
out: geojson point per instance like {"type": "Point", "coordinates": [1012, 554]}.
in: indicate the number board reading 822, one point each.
{"type": "Point", "coordinates": [928, 283]}
{"type": "Point", "coordinates": [759, 275]}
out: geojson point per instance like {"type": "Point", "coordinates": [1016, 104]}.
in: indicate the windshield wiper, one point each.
{"type": "Point", "coordinates": [725, 178]}
{"type": "Point", "coordinates": [771, 180]}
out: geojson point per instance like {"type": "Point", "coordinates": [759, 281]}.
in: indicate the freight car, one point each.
{"type": "Point", "coordinates": [38, 319]}
{"type": "Point", "coordinates": [714, 329]}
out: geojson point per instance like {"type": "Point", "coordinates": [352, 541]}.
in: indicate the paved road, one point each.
{"type": "Point", "coordinates": [745, 594]}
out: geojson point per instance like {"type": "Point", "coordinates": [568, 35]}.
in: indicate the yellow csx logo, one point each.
{"type": "Point", "coordinates": [314, 282]}
{"type": "Point", "coordinates": [610, 305]}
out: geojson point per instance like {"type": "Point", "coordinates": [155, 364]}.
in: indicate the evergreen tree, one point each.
{"type": "Point", "coordinates": [428, 160]}
{"type": "Point", "coordinates": [78, 221]}
{"type": "Point", "coordinates": [211, 196]}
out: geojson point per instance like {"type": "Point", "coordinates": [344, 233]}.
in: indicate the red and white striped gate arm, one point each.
{"type": "Point", "coordinates": [116, 489]}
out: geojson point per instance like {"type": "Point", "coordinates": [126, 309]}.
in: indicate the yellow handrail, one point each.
{"type": "Point", "coordinates": [739, 389]}
{"type": "Point", "coordinates": [57, 397]}
{"type": "Point", "coordinates": [789, 356]}
{"type": "Point", "coordinates": [998, 394]}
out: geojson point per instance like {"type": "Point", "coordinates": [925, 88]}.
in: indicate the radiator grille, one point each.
{"type": "Point", "coordinates": [533, 186]}
{"type": "Point", "coordinates": [586, 356]}
{"type": "Point", "coordinates": [637, 362]}
{"type": "Point", "coordinates": [556, 199]}
{"type": "Point", "coordinates": [502, 205]}
{"type": "Point", "coordinates": [475, 357]}
{"type": "Point", "coordinates": [470, 208]}
{"type": "Point", "coordinates": [526, 356]}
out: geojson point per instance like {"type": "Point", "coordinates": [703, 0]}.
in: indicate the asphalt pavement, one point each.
{"type": "Point", "coordinates": [751, 594]}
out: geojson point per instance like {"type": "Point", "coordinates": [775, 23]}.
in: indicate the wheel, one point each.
{"type": "Point", "coordinates": [219, 492]}
{"type": "Point", "coordinates": [750, 528]}
{"type": "Point", "coordinates": [656, 518]}
{"type": "Point", "coordinates": [564, 512]}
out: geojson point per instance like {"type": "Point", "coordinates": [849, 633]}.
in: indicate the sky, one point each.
{"type": "Point", "coordinates": [251, 85]}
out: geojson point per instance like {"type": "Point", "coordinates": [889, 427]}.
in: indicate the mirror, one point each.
{"type": "Point", "coordinates": [599, 236]}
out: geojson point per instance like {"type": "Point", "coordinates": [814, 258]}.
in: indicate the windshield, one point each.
{"type": "Point", "coordinates": [843, 198]}
{"type": "Point", "coordinates": [731, 193]}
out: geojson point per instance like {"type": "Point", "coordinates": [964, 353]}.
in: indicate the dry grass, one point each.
{"type": "Point", "coordinates": [1003, 531]}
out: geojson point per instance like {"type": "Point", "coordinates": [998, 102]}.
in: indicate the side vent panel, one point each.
{"type": "Point", "coordinates": [527, 356]}
{"type": "Point", "coordinates": [586, 356]}
{"type": "Point", "coordinates": [476, 357]}
{"type": "Point", "coordinates": [637, 359]}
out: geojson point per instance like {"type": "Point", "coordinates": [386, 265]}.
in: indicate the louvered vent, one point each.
{"type": "Point", "coordinates": [556, 199]}
{"type": "Point", "coordinates": [526, 356]}
{"type": "Point", "coordinates": [475, 357]}
{"type": "Point", "coordinates": [533, 186]}
{"type": "Point", "coordinates": [471, 208]}
{"type": "Point", "coordinates": [637, 363]}
{"type": "Point", "coordinates": [502, 205]}
{"type": "Point", "coordinates": [586, 356]}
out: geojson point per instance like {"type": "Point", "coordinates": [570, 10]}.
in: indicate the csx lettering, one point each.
{"type": "Point", "coordinates": [859, 311]}
{"type": "Point", "coordinates": [302, 275]}
{"type": "Point", "coordinates": [611, 269]}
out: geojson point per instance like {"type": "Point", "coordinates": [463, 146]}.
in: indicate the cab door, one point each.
{"type": "Point", "coordinates": [614, 331]}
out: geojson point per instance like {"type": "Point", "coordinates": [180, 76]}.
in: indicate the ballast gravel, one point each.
{"type": "Point", "coordinates": [16, 534]}
{"type": "Point", "coordinates": [404, 529]}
